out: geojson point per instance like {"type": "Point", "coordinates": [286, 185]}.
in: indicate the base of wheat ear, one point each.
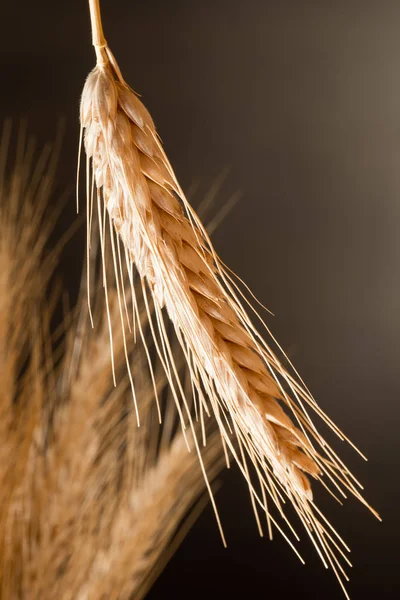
{"type": "Point", "coordinates": [260, 407]}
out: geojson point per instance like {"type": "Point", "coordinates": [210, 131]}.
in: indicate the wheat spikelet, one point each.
{"type": "Point", "coordinates": [91, 505]}
{"type": "Point", "coordinates": [246, 385]}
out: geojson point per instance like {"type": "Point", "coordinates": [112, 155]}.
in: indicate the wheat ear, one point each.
{"type": "Point", "coordinates": [91, 505]}
{"type": "Point", "coordinates": [25, 188]}
{"type": "Point", "coordinates": [246, 384]}
{"type": "Point", "coordinates": [117, 497]}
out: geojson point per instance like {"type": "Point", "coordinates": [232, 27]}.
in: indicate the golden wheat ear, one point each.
{"type": "Point", "coordinates": [91, 505]}
{"type": "Point", "coordinates": [118, 498]}
{"type": "Point", "coordinates": [26, 362]}
{"type": "Point", "coordinates": [235, 373]}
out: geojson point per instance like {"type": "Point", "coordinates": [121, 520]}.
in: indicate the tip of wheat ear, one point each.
{"type": "Point", "coordinates": [235, 373]}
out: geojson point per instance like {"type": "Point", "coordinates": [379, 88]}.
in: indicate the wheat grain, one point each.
{"type": "Point", "coordinates": [246, 384]}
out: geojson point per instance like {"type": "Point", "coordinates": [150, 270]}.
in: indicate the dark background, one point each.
{"type": "Point", "coordinates": [301, 99]}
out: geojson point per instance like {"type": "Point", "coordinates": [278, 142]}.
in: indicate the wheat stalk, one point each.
{"type": "Point", "coordinates": [91, 505]}
{"type": "Point", "coordinates": [25, 188]}
{"type": "Point", "coordinates": [117, 493]}
{"type": "Point", "coordinates": [250, 392]}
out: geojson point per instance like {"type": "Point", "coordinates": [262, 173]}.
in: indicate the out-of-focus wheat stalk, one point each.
{"type": "Point", "coordinates": [235, 373]}
{"type": "Point", "coordinates": [91, 505]}
{"type": "Point", "coordinates": [24, 193]}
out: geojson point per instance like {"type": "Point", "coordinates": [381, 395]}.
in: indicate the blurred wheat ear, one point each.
{"type": "Point", "coordinates": [91, 505]}
{"type": "Point", "coordinates": [235, 374]}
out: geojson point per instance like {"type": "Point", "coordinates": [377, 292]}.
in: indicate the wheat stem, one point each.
{"type": "Point", "coordinates": [98, 39]}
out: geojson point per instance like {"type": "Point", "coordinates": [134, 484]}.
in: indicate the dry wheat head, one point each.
{"type": "Point", "coordinates": [91, 505]}
{"type": "Point", "coordinates": [234, 371]}
{"type": "Point", "coordinates": [25, 187]}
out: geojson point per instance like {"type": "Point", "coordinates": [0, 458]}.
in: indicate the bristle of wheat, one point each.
{"type": "Point", "coordinates": [247, 387]}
